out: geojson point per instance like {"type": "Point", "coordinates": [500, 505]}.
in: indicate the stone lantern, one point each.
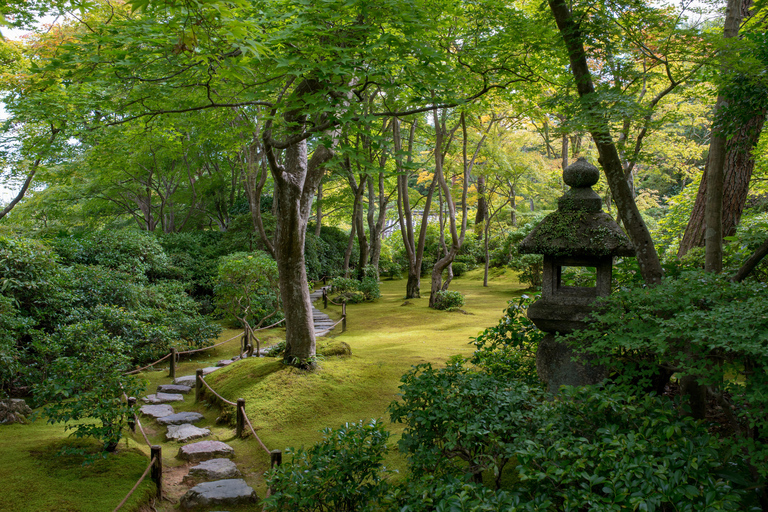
{"type": "Point", "coordinates": [578, 234]}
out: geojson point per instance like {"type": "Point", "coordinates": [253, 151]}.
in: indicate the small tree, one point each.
{"type": "Point", "coordinates": [247, 289]}
{"type": "Point", "coordinates": [86, 381]}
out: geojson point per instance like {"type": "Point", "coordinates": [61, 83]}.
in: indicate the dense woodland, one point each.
{"type": "Point", "coordinates": [177, 166]}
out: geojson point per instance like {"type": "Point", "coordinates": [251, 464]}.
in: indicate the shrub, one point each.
{"type": "Point", "coordinates": [343, 472]}
{"type": "Point", "coordinates": [508, 349]}
{"type": "Point", "coordinates": [448, 300]}
{"type": "Point", "coordinates": [86, 382]}
{"type": "Point", "coordinates": [344, 284]}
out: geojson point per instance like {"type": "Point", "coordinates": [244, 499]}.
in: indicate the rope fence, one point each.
{"type": "Point", "coordinates": [276, 456]}
{"type": "Point", "coordinates": [173, 351]}
{"type": "Point", "coordinates": [146, 471]}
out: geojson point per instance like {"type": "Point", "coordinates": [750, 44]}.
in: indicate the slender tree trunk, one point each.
{"type": "Point", "coordinates": [647, 257]}
{"type": "Point", "coordinates": [739, 164]}
{"type": "Point", "coordinates": [350, 246]}
{"type": "Point", "coordinates": [319, 210]}
{"type": "Point", "coordinates": [482, 207]}
{"type": "Point", "coordinates": [414, 249]}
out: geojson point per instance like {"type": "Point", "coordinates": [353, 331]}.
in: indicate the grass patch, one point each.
{"type": "Point", "coordinates": [34, 477]}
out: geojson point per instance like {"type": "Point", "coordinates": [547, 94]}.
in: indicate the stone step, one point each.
{"type": "Point", "coordinates": [173, 388]}
{"type": "Point", "coordinates": [180, 418]}
{"type": "Point", "coordinates": [156, 411]}
{"type": "Point", "coordinates": [220, 492]}
{"type": "Point", "coordinates": [185, 432]}
{"type": "Point", "coordinates": [162, 398]}
{"type": "Point", "coordinates": [204, 450]}
{"type": "Point", "coordinates": [224, 362]}
{"type": "Point", "coordinates": [186, 380]}
{"type": "Point", "coordinates": [213, 469]}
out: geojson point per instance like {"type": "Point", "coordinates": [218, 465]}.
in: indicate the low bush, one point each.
{"type": "Point", "coordinates": [343, 472]}
{"type": "Point", "coordinates": [448, 300]}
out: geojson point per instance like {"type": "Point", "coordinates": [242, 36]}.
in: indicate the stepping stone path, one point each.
{"type": "Point", "coordinates": [214, 469]}
{"type": "Point", "coordinates": [173, 388]}
{"type": "Point", "coordinates": [321, 321]}
{"type": "Point", "coordinates": [220, 492]}
{"type": "Point", "coordinates": [205, 450]}
{"type": "Point", "coordinates": [162, 398]}
{"type": "Point", "coordinates": [156, 411]}
{"type": "Point", "coordinates": [180, 418]}
{"type": "Point", "coordinates": [187, 380]}
{"type": "Point", "coordinates": [186, 432]}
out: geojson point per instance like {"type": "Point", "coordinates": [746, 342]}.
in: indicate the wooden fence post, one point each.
{"type": "Point", "coordinates": [198, 383]}
{"type": "Point", "coordinates": [275, 458]}
{"type": "Point", "coordinates": [156, 452]}
{"type": "Point", "coordinates": [172, 373]}
{"type": "Point", "coordinates": [325, 298]}
{"type": "Point", "coordinates": [343, 316]}
{"type": "Point", "coordinates": [132, 419]}
{"type": "Point", "coordinates": [240, 416]}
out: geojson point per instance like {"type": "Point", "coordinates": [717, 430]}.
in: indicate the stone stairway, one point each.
{"type": "Point", "coordinates": [216, 480]}
{"type": "Point", "coordinates": [321, 321]}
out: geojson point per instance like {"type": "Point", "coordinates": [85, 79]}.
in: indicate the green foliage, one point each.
{"type": "Point", "coordinates": [701, 325]}
{"type": "Point", "coordinates": [477, 421]}
{"type": "Point", "coordinates": [605, 449]}
{"type": "Point", "coordinates": [528, 266]}
{"type": "Point", "coordinates": [353, 291]}
{"type": "Point", "coordinates": [86, 382]}
{"type": "Point", "coordinates": [247, 288]}
{"type": "Point", "coordinates": [325, 255]}
{"type": "Point", "coordinates": [133, 252]}
{"type": "Point", "coordinates": [11, 326]}
{"type": "Point", "coordinates": [448, 300]}
{"type": "Point", "coordinates": [508, 349]}
{"type": "Point", "coordinates": [343, 472]}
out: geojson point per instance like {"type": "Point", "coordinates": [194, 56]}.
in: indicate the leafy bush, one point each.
{"type": "Point", "coordinates": [476, 421]}
{"type": "Point", "coordinates": [344, 284]}
{"type": "Point", "coordinates": [508, 349]}
{"type": "Point", "coordinates": [369, 285]}
{"type": "Point", "coordinates": [699, 325]}
{"type": "Point", "coordinates": [343, 472]}
{"type": "Point", "coordinates": [133, 252]}
{"type": "Point", "coordinates": [86, 382]}
{"type": "Point", "coordinates": [448, 300]}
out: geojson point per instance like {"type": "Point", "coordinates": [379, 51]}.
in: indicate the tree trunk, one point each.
{"type": "Point", "coordinates": [739, 164]}
{"type": "Point", "coordinates": [319, 210]}
{"type": "Point", "coordinates": [414, 250]}
{"type": "Point", "coordinates": [647, 257]}
{"type": "Point", "coordinates": [295, 186]}
{"type": "Point", "coordinates": [482, 208]}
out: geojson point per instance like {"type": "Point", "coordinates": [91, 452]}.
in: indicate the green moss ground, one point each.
{"type": "Point", "coordinates": [34, 478]}
{"type": "Point", "coordinates": [287, 407]}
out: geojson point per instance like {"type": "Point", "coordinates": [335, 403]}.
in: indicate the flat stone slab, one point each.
{"type": "Point", "coordinates": [210, 369]}
{"type": "Point", "coordinates": [187, 380]}
{"type": "Point", "coordinates": [224, 362]}
{"type": "Point", "coordinates": [186, 432]}
{"type": "Point", "coordinates": [214, 469]}
{"type": "Point", "coordinates": [156, 411]}
{"type": "Point", "coordinates": [205, 450]}
{"type": "Point", "coordinates": [162, 398]}
{"type": "Point", "coordinates": [221, 492]}
{"type": "Point", "coordinates": [180, 418]}
{"type": "Point", "coordinates": [173, 388]}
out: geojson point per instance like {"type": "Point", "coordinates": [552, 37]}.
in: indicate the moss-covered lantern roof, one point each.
{"type": "Point", "coordinates": [579, 228]}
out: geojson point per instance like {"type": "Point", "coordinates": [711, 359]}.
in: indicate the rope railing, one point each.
{"type": "Point", "coordinates": [208, 348]}
{"type": "Point", "coordinates": [150, 365]}
{"type": "Point", "coordinates": [166, 356]}
{"type": "Point", "coordinates": [215, 393]}
{"type": "Point", "coordinates": [245, 417]}
{"type": "Point", "coordinates": [143, 476]}
{"type": "Point", "coordinates": [269, 326]}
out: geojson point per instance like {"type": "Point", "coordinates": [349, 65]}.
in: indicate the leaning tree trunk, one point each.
{"type": "Point", "coordinates": [739, 164]}
{"type": "Point", "coordinates": [647, 257]}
